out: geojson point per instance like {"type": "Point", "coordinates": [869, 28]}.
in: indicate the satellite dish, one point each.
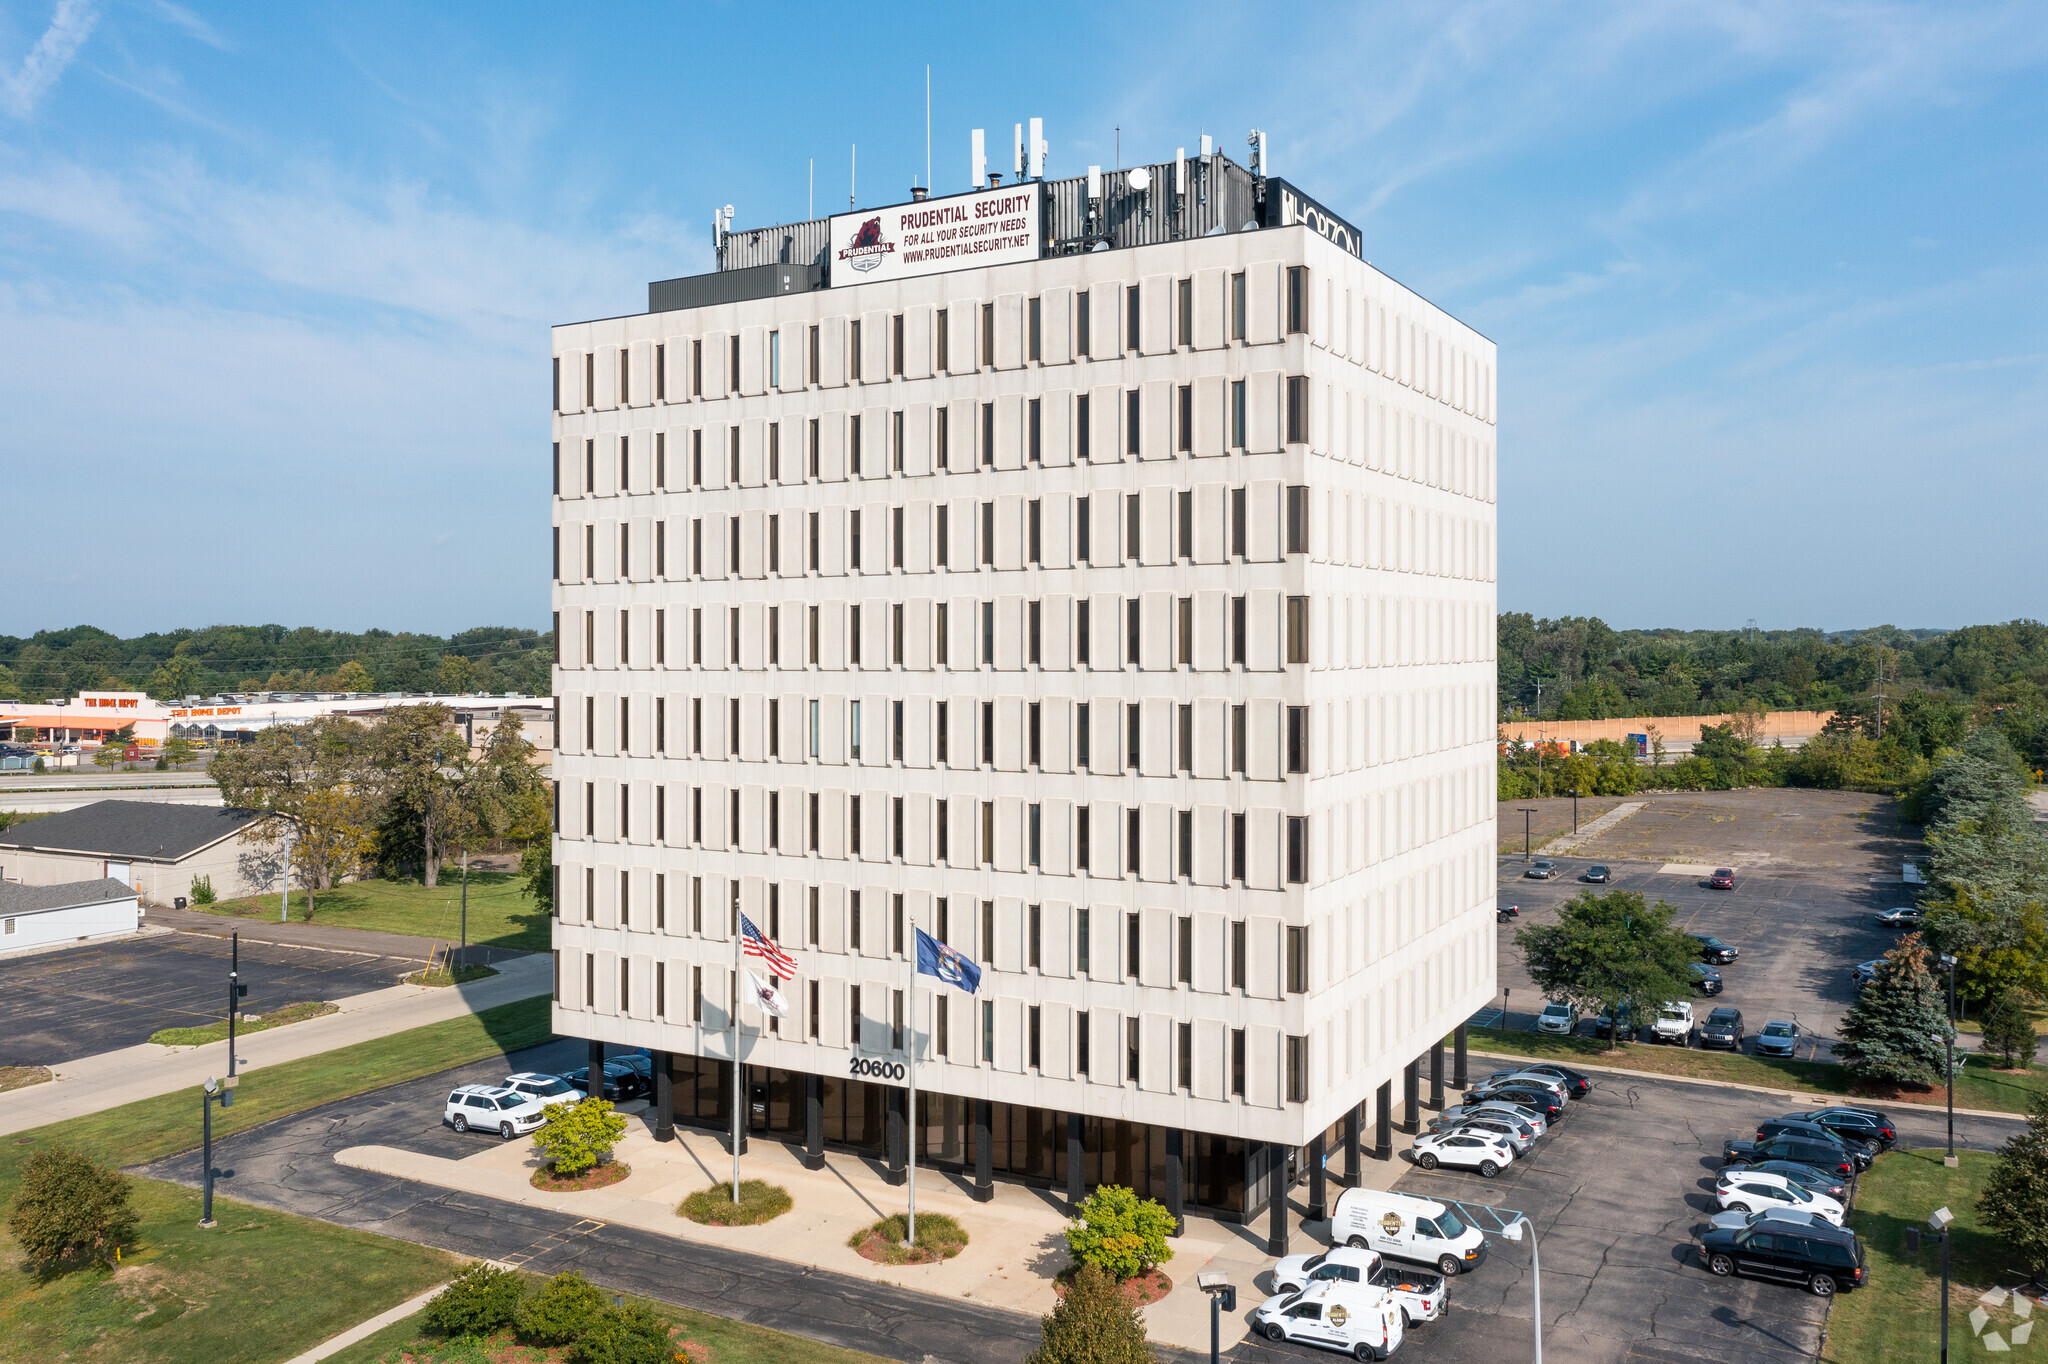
{"type": "Point", "coordinates": [1139, 179]}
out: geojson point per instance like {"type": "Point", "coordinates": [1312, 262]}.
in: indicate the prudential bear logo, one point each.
{"type": "Point", "coordinates": [866, 249]}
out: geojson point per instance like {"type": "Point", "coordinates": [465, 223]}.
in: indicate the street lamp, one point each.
{"type": "Point", "coordinates": [223, 1093]}
{"type": "Point", "coordinates": [1938, 1224]}
{"type": "Point", "coordinates": [1513, 1232]}
{"type": "Point", "coordinates": [1527, 810]}
{"type": "Point", "coordinates": [1222, 1298]}
{"type": "Point", "coordinates": [1575, 809]}
{"type": "Point", "coordinates": [1948, 1047]}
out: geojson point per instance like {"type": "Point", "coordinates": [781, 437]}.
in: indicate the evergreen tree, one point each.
{"type": "Point", "coordinates": [1894, 1030]}
{"type": "Point", "coordinates": [2015, 1199]}
{"type": "Point", "coordinates": [2009, 1031]}
{"type": "Point", "coordinates": [1093, 1325]}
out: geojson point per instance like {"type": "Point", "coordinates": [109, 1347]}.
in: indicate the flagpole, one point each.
{"type": "Point", "coordinates": [910, 1132]}
{"type": "Point", "coordinates": [736, 941]}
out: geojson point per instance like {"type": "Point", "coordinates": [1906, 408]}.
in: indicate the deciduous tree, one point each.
{"type": "Point", "coordinates": [1608, 950]}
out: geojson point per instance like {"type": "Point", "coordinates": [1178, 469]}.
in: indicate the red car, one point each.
{"type": "Point", "coordinates": [1722, 879]}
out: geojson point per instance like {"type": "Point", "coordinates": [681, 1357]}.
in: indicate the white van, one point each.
{"type": "Point", "coordinates": [1406, 1228]}
{"type": "Point", "coordinates": [1363, 1322]}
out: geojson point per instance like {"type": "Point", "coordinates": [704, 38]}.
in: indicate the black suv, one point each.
{"type": "Point", "coordinates": [1545, 1103]}
{"type": "Point", "coordinates": [1854, 1122]}
{"type": "Point", "coordinates": [1828, 1157]}
{"type": "Point", "coordinates": [1714, 950]}
{"type": "Point", "coordinates": [1723, 1028]}
{"type": "Point", "coordinates": [1577, 1084]}
{"type": "Point", "coordinates": [1821, 1259]}
{"type": "Point", "coordinates": [1799, 1129]}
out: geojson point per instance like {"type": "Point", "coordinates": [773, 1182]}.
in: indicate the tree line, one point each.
{"type": "Point", "coordinates": [397, 795]}
{"type": "Point", "coordinates": [1580, 668]}
{"type": "Point", "coordinates": [242, 658]}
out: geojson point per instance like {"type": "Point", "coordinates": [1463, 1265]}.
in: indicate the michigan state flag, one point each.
{"type": "Point", "coordinates": [934, 958]}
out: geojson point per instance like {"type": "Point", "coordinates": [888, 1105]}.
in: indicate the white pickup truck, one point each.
{"type": "Point", "coordinates": [1674, 1023]}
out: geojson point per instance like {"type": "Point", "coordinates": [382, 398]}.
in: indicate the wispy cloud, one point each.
{"type": "Point", "coordinates": [23, 89]}
{"type": "Point", "coordinates": [193, 25]}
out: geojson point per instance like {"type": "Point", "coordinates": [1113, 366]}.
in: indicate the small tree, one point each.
{"type": "Point", "coordinates": [2008, 1031]}
{"type": "Point", "coordinates": [70, 1211]}
{"type": "Point", "coordinates": [1895, 1029]}
{"type": "Point", "coordinates": [579, 1135]}
{"type": "Point", "coordinates": [202, 890]}
{"type": "Point", "coordinates": [1092, 1324]}
{"type": "Point", "coordinates": [482, 1299]}
{"type": "Point", "coordinates": [564, 1308]}
{"type": "Point", "coordinates": [2015, 1199]}
{"type": "Point", "coordinates": [1119, 1233]}
{"type": "Point", "coordinates": [1611, 949]}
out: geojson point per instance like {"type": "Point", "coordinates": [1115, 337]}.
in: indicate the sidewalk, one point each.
{"type": "Point", "coordinates": [93, 1084]}
{"type": "Point", "coordinates": [1014, 1250]}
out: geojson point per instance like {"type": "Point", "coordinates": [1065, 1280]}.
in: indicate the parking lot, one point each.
{"type": "Point", "coordinates": [1812, 868]}
{"type": "Point", "coordinates": [59, 1006]}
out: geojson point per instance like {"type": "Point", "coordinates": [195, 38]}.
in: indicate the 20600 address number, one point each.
{"type": "Point", "coordinates": [860, 1067]}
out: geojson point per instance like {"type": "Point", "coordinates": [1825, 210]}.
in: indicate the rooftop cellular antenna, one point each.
{"type": "Point", "coordinates": [852, 171]}
{"type": "Point", "coordinates": [978, 170]}
{"type": "Point", "coordinates": [1038, 149]}
{"type": "Point", "coordinates": [1017, 152]}
{"type": "Point", "coordinates": [927, 128]}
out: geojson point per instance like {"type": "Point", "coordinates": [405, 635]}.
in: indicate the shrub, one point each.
{"type": "Point", "coordinates": [482, 1299]}
{"type": "Point", "coordinates": [1120, 1233]}
{"type": "Point", "coordinates": [1092, 1325]}
{"type": "Point", "coordinates": [561, 1310]}
{"type": "Point", "coordinates": [2008, 1031]}
{"type": "Point", "coordinates": [632, 1334]}
{"type": "Point", "coordinates": [202, 890]}
{"type": "Point", "coordinates": [938, 1238]}
{"type": "Point", "coordinates": [759, 1202]}
{"type": "Point", "coordinates": [579, 1135]}
{"type": "Point", "coordinates": [70, 1211]}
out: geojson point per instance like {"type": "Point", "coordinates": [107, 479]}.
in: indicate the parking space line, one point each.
{"type": "Point", "coordinates": [553, 1242]}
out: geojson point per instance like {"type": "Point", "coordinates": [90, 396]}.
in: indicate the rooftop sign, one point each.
{"type": "Point", "coordinates": [930, 236]}
{"type": "Point", "coordinates": [1286, 206]}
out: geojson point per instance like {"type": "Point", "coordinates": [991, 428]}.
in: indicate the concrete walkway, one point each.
{"type": "Point", "coordinates": [366, 1329]}
{"type": "Point", "coordinates": [1015, 1245]}
{"type": "Point", "coordinates": [93, 1084]}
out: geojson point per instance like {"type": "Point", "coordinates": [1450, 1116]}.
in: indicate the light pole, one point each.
{"type": "Point", "coordinates": [1513, 1232]}
{"type": "Point", "coordinates": [1222, 1298]}
{"type": "Point", "coordinates": [1575, 810]}
{"type": "Point", "coordinates": [1527, 810]}
{"type": "Point", "coordinates": [463, 955]}
{"type": "Point", "coordinates": [1938, 1224]}
{"type": "Point", "coordinates": [1948, 1047]}
{"type": "Point", "coordinates": [214, 1091]}
{"type": "Point", "coordinates": [284, 895]}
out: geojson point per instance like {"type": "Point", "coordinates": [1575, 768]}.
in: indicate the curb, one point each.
{"type": "Point", "coordinates": [1754, 1089]}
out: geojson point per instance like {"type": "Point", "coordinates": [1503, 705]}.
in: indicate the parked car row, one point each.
{"type": "Point", "coordinates": [1500, 1119]}
{"type": "Point", "coordinates": [520, 1104]}
{"type": "Point", "coordinates": [1784, 1194]}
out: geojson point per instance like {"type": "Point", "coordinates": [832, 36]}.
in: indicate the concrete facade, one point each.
{"type": "Point", "coordinates": [1125, 619]}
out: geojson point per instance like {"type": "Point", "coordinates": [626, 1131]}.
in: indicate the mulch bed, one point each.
{"type": "Point", "coordinates": [596, 1177]}
{"type": "Point", "coordinates": [1138, 1290]}
{"type": "Point", "coordinates": [938, 1238]}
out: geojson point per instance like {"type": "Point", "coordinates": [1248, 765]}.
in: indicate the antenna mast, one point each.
{"type": "Point", "coordinates": [927, 127]}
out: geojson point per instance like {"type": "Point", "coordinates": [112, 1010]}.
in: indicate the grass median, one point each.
{"type": "Point", "coordinates": [500, 914]}
{"type": "Point", "coordinates": [1979, 1084]}
{"type": "Point", "coordinates": [215, 1032]}
{"type": "Point", "coordinates": [237, 1292]}
{"type": "Point", "coordinates": [1897, 1318]}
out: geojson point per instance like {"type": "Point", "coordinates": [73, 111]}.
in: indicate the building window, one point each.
{"type": "Point", "coordinates": [1132, 735]}
{"type": "Point", "coordinates": [1237, 841]}
{"type": "Point", "coordinates": [853, 350]}
{"type": "Point", "coordinates": [1239, 522]}
{"type": "Point", "coordinates": [943, 1038]}
{"type": "Point", "coordinates": [1297, 850]}
{"type": "Point", "coordinates": [944, 427]}
{"type": "Point", "coordinates": [1083, 1043]}
{"type": "Point", "coordinates": [1081, 641]}
{"type": "Point", "coordinates": [1297, 519]}
{"type": "Point", "coordinates": [853, 727]}
{"type": "Point", "coordinates": [896, 345]}
{"type": "Point", "coordinates": [988, 832]}
{"type": "Point", "coordinates": [1297, 409]}
{"type": "Point", "coordinates": [896, 447]}
{"type": "Point", "coordinates": [775, 451]}
{"type": "Point", "coordinates": [1185, 436]}
{"type": "Point", "coordinates": [812, 1031]}
{"type": "Point", "coordinates": [853, 536]}
{"type": "Point", "coordinates": [1131, 629]}
{"type": "Point", "coordinates": [1184, 630]}
{"type": "Point", "coordinates": [1034, 352]}
{"type": "Point", "coordinates": [1239, 635]}
{"type": "Point", "coordinates": [1186, 313]}
{"type": "Point", "coordinates": [1133, 942]}
{"type": "Point", "coordinates": [1081, 953]}
{"type": "Point", "coordinates": [1131, 1036]}
{"type": "Point", "coordinates": [1031, 1038]}
{"type": "Point", "coordinates": [1237, 306]}
{"type": "Point", "coordinates": [1237, 1063]}
{"type": "Point", "coordinates": [1035, 408]}
{"type": "Point", "coordinates": [853, 826]}
{"type": "Point", "coordinates": [1035, 616]}
{"type": "Point", "coordinates": [940, 552]}
{"type": "Point", "coordinates": [1297, 739]}
{"type": "Point", "coordinates": [1034, 930]}
{"type": "Point", "coordinates": [1184, 1055]}
{"type": "Point", "coordinates": [988, 336]}
{"type": "Point", "coordinates": [1081, 329]}
{"type": "Point", "coordinates": [1297, 299]}
{"type": "Point", "coordinates": [853, 445]}
{"type": "Point", "coordinates": [1297, 1070]}
{"type": "Point", "coordinates": [1081, 850]}
{"type": "Point", "coordinates": [1237, 954]}
{"type": "Point", "coordinates": [732, 369]}
{"type": "Point", "coordinates": [1082, 536]}
{"type": "Point", "coordinates": [1297, 960]}
{"type": "Point", "coordinates": [944, 338]}
{"type": "Point", "coordinates": [1297, 629]}
{"type": "Point", "coordinates": [1131, 317]}
{"type": "Point", "coordinates": [1032, 832]}
{"type": "Point", "coordinates": [811, 455]}
{"type": "Point", "coordinates": [988, 435]}
{"type": "Point", "coordinates": [853, 1015]}
{"type": "Point", "coordinates": [1186, 841]}
{"type": "Point", "coordinates": [775, 359]}
{"type": "Point", "coordinates": [1081, 434]}
{"type": "Point", "coordinates": [988, 932]}
{"type": "Point", "coordinates": [1131, 410]}
{"type": "Point", "coordinates": [1184, 950]}
{"type": "Point", "coordinates": [988, 633]}
{"type": "Point", "coordinates": [696, 369]}
{"type": "Point", "coordinates": [988, 1023]}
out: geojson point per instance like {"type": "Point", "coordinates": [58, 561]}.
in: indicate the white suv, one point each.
{"type": "Point", "coordinates": [549, 1089]}
{"type": "Point", "coordinates": [494, 1108]}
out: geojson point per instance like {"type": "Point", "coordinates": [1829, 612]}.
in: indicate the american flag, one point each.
{"type": "Point", "coordinates": [755, 943]}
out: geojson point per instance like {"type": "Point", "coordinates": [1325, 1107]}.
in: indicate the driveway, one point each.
{"type": "Point", "coordinates": [59, 1006]}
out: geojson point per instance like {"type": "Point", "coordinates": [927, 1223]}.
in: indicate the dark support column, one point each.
{"type": "Point", "coordinates": [984, 1163]}
{"type": "Point", "coordinates": [1383, 1123]}
{"type": "Point", "coordinates": [1458, 1073]}
{"type": "Point", "coordinates": [1411, 1096]}
{"type": "Point", "coordinates": [1436, 1074]}
{"type": "Point", "coordinates": [1176, 1181]}
{"type": "Point", "coordinates": [814, 1122]}
{"type": "Point", "coordinates": [894, 1130]}
{"type": "Point", "coordinates": [1276, 1227]}
{"type": "Point", "coordinates": [1077, 1160]}
{"type": "Point", "coordinates": [664, 1098]}
{"type": "Point", "coordinates": [1318, 1180]}
{"type": "Point", "coordinates": [1351, 1148]}
{"type": "Point", "coordinates": [593, 1083]}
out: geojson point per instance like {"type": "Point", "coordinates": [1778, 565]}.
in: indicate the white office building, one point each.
{"type": "Point", "coordinates": [1098, 574]}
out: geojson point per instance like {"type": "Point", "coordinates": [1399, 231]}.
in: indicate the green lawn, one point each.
{"type": "Point", "coordinates": [1979, 1084]}
{"type": "Point", "coordinates": [215, 1032]}
{"type": "Point", "coordinates": [500, 915]}
{"type": "Point", "coordinates": [728, 1342]}
{"type": "Point", "coordinates": [1897, 1317]}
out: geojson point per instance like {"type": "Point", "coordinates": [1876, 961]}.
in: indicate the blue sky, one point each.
{"type": "Point", "coordinates": [275, 281]}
